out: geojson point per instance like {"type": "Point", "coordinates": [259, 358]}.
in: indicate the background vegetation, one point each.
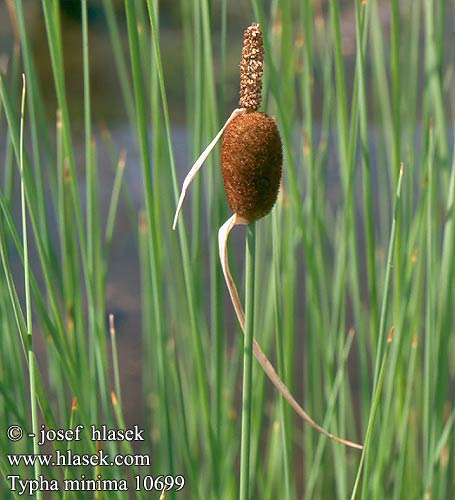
{"type": "Point", "coordinates": [354, 294]}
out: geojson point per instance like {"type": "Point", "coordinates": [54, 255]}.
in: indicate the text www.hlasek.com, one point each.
{"type": "Point", "coordinates": [67, 458]}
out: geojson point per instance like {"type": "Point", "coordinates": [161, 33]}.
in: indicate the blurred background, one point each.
{"type": "Point", "coordinates": [348, 117]}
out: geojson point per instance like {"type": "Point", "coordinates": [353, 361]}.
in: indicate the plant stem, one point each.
{"type": "Point", "coordinates": [31, 357]}
{"type": "Point", "coordinates": [374, 407]}
{"type": "Point", "coordinates": [247, 362]}
{"type": "Point", "coordinates": [280, 355]}
{"type": "Point", "coordinates": [380, 357]}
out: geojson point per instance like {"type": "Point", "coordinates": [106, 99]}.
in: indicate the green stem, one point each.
{"type": "Point", "coordinates": [370, 426]}
{"type": "Point", "coordinates": [247, 363]}
{"type": "Point", "coordinates": [185, 255]}
{"type": "Point", "coordinates": [115, 364]}
{"type": "Point", "coordinates": [280, 355]}
{"type": "Point", "coordinates": [380, 358]}
{"type": "Point", "coordinates": [429, 366]}
{"type": "Point", "coordinates": [384, 305]}
{"type": "Point", "coordinates": [28, 306]}
{"type": "Point", "coordinates": [151, 215]}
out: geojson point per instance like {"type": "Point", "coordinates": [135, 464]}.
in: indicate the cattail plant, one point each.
{"type": "Point", "coordinates": [251, 164]}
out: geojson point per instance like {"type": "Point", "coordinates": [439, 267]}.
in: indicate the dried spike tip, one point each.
{"type": "Point", "coordinates": [251, 68]}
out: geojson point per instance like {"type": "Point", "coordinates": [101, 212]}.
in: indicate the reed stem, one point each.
{"type": "Point", "coordinates": [380, 357]}
{"type": "Point", "coordinates": [28, 306]}
{"type": "Point", "coordinates": [247, 362]}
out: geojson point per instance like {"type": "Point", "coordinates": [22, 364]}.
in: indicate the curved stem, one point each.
{"type": "Point", "coordinates": [259, 354]}
{"type": "Point", "coordinates": [199, 162]}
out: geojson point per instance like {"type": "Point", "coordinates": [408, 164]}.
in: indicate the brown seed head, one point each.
{"type": "Point", "coordinates": [251, 159]}
{"type": "Point", "coordinates": [251, 68]}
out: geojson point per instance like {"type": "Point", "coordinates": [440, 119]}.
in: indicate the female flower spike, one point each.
{"type": "Point", "coordinates": [251, 163]}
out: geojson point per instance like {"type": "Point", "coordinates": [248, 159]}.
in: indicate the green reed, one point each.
{"type": "Point", "coordinates": [353, 102]}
